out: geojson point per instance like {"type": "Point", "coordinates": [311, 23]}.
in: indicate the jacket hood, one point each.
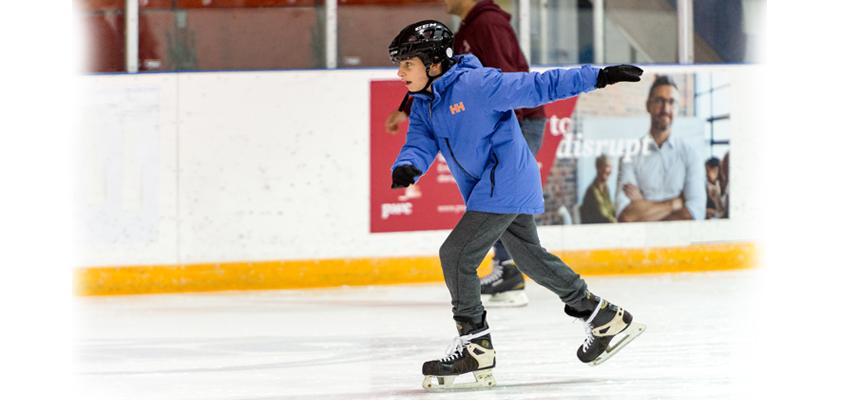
{"type": "Point", "coordinates": [483, 7]}
{"type": "Point", "coordinates": [463, 63]}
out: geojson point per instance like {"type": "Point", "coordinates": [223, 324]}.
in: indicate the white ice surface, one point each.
{"type": "Point", "coordinates": [370, 343]}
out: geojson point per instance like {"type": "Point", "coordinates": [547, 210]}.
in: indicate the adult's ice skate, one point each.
{"type": "Point", "coordinates": [471, 352]}
{"type": "Point", "coordinates": [603, 322]}
{"type": "Point", "coordinates": [504, 286]}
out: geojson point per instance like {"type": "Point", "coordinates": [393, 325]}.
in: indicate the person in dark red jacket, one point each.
{"type": "Point", "coordinates": [486, 32]}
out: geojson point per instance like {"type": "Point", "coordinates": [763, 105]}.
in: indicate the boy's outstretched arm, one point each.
{"type": "Point", "coordinates": [417, 153]}
{"type": "Point", "coordinates": [510, 90]}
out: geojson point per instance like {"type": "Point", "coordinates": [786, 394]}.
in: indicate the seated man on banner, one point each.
{"type": "Point", "coordinates": [667, 180]}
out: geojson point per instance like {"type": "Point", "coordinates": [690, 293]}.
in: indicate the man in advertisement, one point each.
{"type": "Point", "coordinates": [666, 181]}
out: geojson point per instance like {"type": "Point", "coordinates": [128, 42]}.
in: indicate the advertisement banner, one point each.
{"type": "Point", "coordinates": [656, 150]}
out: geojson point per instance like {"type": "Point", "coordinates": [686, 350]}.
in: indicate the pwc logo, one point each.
{"type": "Point", "coordinates": [456, 108]}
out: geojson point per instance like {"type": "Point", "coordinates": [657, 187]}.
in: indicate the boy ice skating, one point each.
{"type": "Point", "coordinates": [465, 112]}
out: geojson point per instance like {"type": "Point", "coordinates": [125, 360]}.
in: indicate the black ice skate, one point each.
{"type": "Point", "coordinates": [603, 323]}
{"type": "Point", "coordinates": [504, 286]}
{"type": "Point", "coordinates": [472, 351]}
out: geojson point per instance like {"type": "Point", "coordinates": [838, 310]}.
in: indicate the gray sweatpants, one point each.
{"type": "Point", "coordinates": [466, 246]}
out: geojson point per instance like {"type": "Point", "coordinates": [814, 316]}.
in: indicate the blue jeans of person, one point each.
{"type": "Point", "coordinates": [532, 130]}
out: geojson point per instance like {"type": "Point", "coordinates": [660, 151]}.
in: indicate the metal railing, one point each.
{"type": "Point", "coordinates": [685, 32]}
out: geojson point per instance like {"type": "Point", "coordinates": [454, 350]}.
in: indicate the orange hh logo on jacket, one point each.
{"type": "Point", "coordinates": [456, 108]}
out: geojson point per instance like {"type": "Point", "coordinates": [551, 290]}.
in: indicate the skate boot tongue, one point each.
{"type": "Point", "coordinates": [572, 312]}
{"type": "Point", "coordinates": [466, 326]}
{"type": "Point", "coordinates": [584, 308]}
{"type": "Point", "coordinates": [592, 309]}
{"type": "Point", "coordinates": [474, 332]}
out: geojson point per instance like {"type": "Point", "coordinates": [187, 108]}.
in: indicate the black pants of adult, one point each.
{"type": "Point", "coordinates": [466, 246]}
{"type": "Point", "coordinates": [532, 131]}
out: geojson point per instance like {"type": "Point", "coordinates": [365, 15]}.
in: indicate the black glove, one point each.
{"type": "Point", "coordinates": [618, 73]}
{"type": "Point", "coordinates": [403, 176]}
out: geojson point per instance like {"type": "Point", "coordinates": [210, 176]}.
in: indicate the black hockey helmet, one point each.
{"type": "Point", "coordinates": [429, 40]}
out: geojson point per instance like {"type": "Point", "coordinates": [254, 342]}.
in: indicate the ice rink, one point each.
{"type": "Point", "coordinates": [370, 342]}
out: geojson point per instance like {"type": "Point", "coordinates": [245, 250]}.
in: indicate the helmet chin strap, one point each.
{"type": "Point", "coordinates": [443, 65]}
{"type": "Point", "coordinates": [427, 83]}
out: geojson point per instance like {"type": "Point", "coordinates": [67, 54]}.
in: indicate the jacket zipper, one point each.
{"type": "Point", "coordinates": [449, 145]}
{"type": "Point", "coordinates": [493, 174]}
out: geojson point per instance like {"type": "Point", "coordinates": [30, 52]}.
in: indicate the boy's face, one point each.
{"type": "Point", "coordinates": [412, 72]}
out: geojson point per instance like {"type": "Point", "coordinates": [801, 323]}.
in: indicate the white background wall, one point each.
{"type": "Point", "coordinates": [237, 166]}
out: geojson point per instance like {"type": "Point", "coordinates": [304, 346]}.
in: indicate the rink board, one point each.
{"type": "Point", "coordinates": [191, 182]}
{"type": "Point", "coordinates": [267, 275]}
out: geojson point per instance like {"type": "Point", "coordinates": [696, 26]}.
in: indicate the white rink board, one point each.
{"type": "Point", "coordinates": [237, 166]}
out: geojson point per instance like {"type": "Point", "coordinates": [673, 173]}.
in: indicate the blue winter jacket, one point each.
{"type": "Point", "coordinates": [469, 118]}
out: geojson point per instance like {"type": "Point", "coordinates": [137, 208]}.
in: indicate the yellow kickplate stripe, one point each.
{"type": "Point", "coordinates": [264, 275]}
{"type": "Point", "coordinates": [694, 258]}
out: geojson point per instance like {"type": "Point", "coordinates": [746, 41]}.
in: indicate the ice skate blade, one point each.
{"type": "Point", "coordinates": [631, 333]}
{"type": "Point", "coordinates": [513, 298]}
{"type": "Point", "coordinates": [483, 379]}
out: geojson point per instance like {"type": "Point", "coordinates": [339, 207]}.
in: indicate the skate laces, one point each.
{"type": "Point", "coordinates": [588, 326]}
{"type": "Point", "coordinates": [589, 340]}
{"type": "Point", "coordinates": [494, 275]}
{"type": "Point", "coordinates": [453, 352]}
